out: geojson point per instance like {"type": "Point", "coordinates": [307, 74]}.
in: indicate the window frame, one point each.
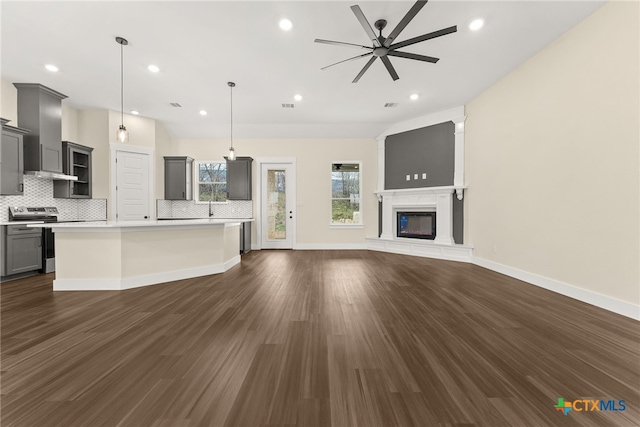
{"type": "Point", "coordinates": [196, 180]}
{"type": "Point", "coordinates": [332, 224]}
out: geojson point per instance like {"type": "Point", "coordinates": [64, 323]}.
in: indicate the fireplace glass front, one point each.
{"type": "Point", "coordinates": [417, 225]}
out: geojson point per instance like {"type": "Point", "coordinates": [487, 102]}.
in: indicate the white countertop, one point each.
{"type": "Point", "coordinates": [106, 225]}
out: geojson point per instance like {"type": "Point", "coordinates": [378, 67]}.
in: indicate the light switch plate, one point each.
{"type": "Point", "coordinates": [415, 176]}
{"type": "Point", "coordinates": [408, 177]}
{"type": "Point", "coordinates": [424, 176]}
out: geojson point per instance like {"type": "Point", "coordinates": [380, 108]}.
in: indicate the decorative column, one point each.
{"type": "Point", "coordinates": [444, 218]}
{"type": "Point", "coordinates": [387, 216]}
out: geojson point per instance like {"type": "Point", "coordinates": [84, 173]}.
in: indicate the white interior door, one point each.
{"type": "Point", "coordinates": [278, 216]}
{"type": "Point", "coordinates": [132, 186]}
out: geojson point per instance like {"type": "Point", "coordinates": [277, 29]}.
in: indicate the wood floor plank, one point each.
{"type": "Point", "coordinates": [314, 338]}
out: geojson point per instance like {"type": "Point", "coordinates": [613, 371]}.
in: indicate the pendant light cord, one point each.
{"type": "Point", "coordinates": [121, 85]}
{"type": "Point", "coordinates": [231, 88]}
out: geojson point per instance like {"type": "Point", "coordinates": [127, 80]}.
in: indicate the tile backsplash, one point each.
{"type": "Point", "coordinates": [191, 209]}
{"type": "Point", "coordinates": [39, 192]}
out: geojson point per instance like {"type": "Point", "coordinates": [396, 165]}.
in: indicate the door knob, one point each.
{"type": "Point", "coordinates": [146, 217]}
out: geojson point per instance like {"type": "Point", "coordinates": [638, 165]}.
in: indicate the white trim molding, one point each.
{"type": "Point", "coordinates": [608, 303]}
{"type": "Point", "coordinates": [330, 246]}
{"type": "Point", "coordinates": [422, 248]}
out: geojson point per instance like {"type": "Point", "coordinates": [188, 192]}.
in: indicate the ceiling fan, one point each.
{"type": "Point", "coordinates": [383, 47]}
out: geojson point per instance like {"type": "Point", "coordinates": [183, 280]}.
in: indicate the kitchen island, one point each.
{"type": "Point", "coordinates": [116, 255]}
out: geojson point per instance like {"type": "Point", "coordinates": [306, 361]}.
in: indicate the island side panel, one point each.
{"type": "Point", "coordinates": [231, 245]}
{"type": "Point", "coordinates": [88, 260]}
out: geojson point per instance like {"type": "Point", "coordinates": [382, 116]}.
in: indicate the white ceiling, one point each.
{"type": "Point", "coordinates": [201, 45]}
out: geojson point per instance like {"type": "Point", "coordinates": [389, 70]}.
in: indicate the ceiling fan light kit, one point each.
{"type": "Point", "coordinates": [383, 47]}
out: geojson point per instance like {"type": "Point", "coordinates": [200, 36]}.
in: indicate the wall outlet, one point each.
{"type": "Point", "coordinates": [408, 177]}
{"type": "Point", "coordinates": [415, 176]}
{"type": "Point", "coordinates": [424, 175]}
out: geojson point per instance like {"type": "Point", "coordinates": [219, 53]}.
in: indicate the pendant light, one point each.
{"type": "Point", "coordinates": [232, 153]}
{"type": "Point", "coordinates": [122, 135]}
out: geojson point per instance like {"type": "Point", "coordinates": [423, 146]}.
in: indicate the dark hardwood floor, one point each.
{"type": "Point", "coordinates": [315, 338]}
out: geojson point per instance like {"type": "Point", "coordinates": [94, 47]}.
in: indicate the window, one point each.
{"type": "Point", "coordinates": [345, 194]}
{"type": "Point", "coordinates": [212, 182]}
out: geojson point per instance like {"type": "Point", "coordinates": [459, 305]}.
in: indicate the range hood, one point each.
{"type": "Point", "coordinates": [51, 175]}
{"type": "Point", "coordinates": [40, 111]}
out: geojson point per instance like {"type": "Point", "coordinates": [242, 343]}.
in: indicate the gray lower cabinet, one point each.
{"type": "Point", "coordinates": [239, 178]}
{"type": "Point", "coordinates": [11, 160]}
{"type": "Point", "coordinates": [76, 161]}
{"type": "Point", "coordinates": [23, 249]}
{"type": "Point", "coordinates": [178, 172]}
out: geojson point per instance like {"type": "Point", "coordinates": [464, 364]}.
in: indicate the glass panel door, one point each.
{"type": "Point", "coordinates": [277, 193]}
{"type": "Point", "coordinates": [276, 204]}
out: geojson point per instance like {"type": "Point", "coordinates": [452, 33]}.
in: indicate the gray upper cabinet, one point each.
{"type": "Point", "coordinates": [178, 172]}
{"type": "Point", "coordinates": [11, 160]}
{"type": "Point", "coordinates": [239, 178]}
{"type": "Point", "coordinates": [76, 161]}
{"type": "Point", "coordinates": [40, 111]}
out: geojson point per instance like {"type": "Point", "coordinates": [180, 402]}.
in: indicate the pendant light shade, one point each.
{"type": "Point", "coordinates": [232, 153]}
{"type": "Point", "coordinates": [122, 135]}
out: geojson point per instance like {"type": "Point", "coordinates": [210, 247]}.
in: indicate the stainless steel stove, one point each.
{"type": "Point", "coordinates": [21, 213]}
{"type": "Point", "coordinates": [45, 214]}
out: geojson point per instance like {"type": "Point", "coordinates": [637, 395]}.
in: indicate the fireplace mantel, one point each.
{"type": "Point", "coordinates": [458, 189]}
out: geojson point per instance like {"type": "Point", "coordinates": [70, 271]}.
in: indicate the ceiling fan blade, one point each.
{"type": "Point", "coordinates": [342, 44]}
{"type": "Point", "coordinates": [366, 67]}
{"type": "Point", "coordinates": [424, 37]}
{"type": "Point", "coordinates": [365, 24]}
{"type": "Point", "coordinates": [404, 22]}
{"type": "Point", "coordinates": [390, 68]}
{"type": "Point", "coordinates": [347, 60]}
{"type": "Point", "coordinates": [413, 56]}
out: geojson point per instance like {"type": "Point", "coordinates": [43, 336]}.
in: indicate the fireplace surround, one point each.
{"type": "Point", "coordinates": [438, 200]}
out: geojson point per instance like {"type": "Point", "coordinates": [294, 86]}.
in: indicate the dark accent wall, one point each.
{"type": "Point", "coordinates": [429, 150]}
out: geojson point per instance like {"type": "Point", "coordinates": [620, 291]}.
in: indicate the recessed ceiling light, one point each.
{"type": "Point", "coordinates": [414, 96]}
{"type": "Point", "coordinates": [476, 24]}
{"type": "Point", "coordinates": [297, 97]}
{"type": "Point", "coordinates": [203, 113]}
{"type": "Point", "coordinates": [51, 68]}
{"type": "Point", "coordinates": [285, 24]}
{"type": "Point", "coordinates": [134, 112]}
{"type": "Point", "coordinates": [153, 68]}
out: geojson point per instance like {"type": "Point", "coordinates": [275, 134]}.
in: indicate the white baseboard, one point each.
{"type": "Point", "coordinates": [623, 308]}
{"type": "Point", "coordinates": [117, 284]}
{"type": "Point", "coordinates": [329, 246]}
{"type": "Point", "coordinates": [421, 248]}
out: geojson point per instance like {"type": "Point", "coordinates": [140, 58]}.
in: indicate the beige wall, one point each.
{"type": "Point", "coordinates": [162, 148]}
{"type": "Point", "coordinates": [553, 160]}
{"type": "Point", "coordinates": [9, 104]}
{"type": "Point", "coordinates": [313, 161]}
{"type": "Point", "coordinates": [69, 123]}
{"type": "Point", "coordinates": [93, 131]}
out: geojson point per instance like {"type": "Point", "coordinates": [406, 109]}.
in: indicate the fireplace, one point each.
{"type": "Point", "coordinates": [416, 225]}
